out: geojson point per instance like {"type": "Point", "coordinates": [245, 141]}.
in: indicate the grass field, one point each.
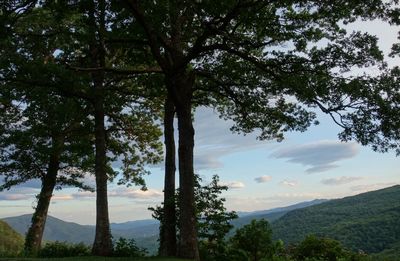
{"type": "Point", "coordinates": [91, 258]}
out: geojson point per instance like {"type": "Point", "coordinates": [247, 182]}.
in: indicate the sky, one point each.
{"type": "Point", "coordinates": [260, 174]}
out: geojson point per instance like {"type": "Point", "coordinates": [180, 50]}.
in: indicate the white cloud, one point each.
{"type": "Point", "coordinates": [233, 184]}
{"type": "Point", "coordinates": [289, 183]}
{"type": "Point", "coordinates": [62, 197]}
{"type": "Point", "coordinates": [319, 156]}
{"type": "Point", "coordinates": [15, 196]}
{"type": "Point", "coordinates": [214, 140]}
{"type": "Point", "coordinates": [19, 193]}
{"type": "Point", "coordinates": [136, 193]}
{"type": "Point", "coordinates": [123, 193]}
{"type": "Point", "coordinates": [340, 180]}
{"type": "Point", "coordinates": [263, 179]}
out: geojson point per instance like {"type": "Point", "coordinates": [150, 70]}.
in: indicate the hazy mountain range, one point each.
{"type": "Point", "coordinates": [369, 222]}
{"type": "Point", "coordinates": [145, 232]}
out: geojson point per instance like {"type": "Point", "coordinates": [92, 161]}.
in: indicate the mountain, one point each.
{"type": "Point", "coordinates": [369, 222]}
{"type": "Point", "coordinates": [11, 243]}
{"type": "Point", "coordinates": [57, 229]}
{"type": "Point", "coordinates": [272, 214]}
{"type": "Point", "coordinates": [145, 232]}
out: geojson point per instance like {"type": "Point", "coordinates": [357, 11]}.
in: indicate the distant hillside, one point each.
{"type": "Point", "coordinates": [11, 243]}
{"type": "Point", "coordinates": [368, 221]}
{"type": "Point", "coordinates": [57, 229]}
{"type": "Point", "coordinates": [145, 232]}
{"type": "Point", "coordinates": [272, 214]}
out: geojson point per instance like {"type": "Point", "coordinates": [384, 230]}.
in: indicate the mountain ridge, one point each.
{"type": "Point", "coordinates": [368, 222]}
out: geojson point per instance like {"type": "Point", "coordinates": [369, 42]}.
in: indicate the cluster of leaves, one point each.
{"type": "Point", "coordinates": [213, 220]}
{"type": "Point", "coordinates": [121, 248]}
{"type": "Point", "coordinates": [127, 248]}
{"type": "Point", "coordinates": [253, 242]}
{"type": "Point", "coordinates": [64, 249]}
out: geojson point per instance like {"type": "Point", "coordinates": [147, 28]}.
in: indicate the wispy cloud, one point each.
{"type": "Point", "coordinates": [319, 156]}
{"type": "Point", "coordinates": [263, 179]}
{"type": "Point", "coordinates": [340, 180]}
{"type": "Point", "coordinates": [233, 184]}
{"type": "Point", "coordinates": [15, 196]}
{"type": "Point", "coordinates": [123, 193]}
{"type": "Point", "coordinates": [289, 183]}
{"type": "Point", "coordinates": [19, 193]}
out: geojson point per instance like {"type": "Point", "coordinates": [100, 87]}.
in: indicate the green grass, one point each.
{"type": "Point", "coordinates": [92, 258]}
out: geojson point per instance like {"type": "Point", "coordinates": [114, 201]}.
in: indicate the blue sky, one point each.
{"type": "Point", "coordinates": [260, 174]}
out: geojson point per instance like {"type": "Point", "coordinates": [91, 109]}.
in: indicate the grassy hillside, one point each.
{"type": "Point", "coordinates": [368, 222]}
{"type": "Point", "coordinates": [11, 243]}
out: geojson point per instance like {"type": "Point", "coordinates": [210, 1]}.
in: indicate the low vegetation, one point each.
{"type": "Point", "coordinates": [11, 243]}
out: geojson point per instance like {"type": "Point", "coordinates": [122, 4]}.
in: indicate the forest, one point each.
{"type": "Point", "coordinates": [87, 84]}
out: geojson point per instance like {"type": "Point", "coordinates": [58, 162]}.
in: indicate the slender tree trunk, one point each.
{"type": "Point", "coordinates": [168, 229]}
{"type": "Point", "coordinates": [102, 245]}
{"type": "Point", "coordinates": [188, 246]}
{"type": "Point", "coordinates": [34, 236]}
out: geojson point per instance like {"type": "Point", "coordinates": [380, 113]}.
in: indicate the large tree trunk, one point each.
{"type": "Point", "coordinates": [34, 236]}
{"type": "Point", "coordinates": [188, 247]}
{"type": "Point", "coordinates": [102, 245]}
{"type": "Point", "coordinates": [168, 229]}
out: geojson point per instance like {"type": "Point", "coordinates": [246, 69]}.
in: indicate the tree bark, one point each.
{"type": "Point", "coordinates": [102, 245]}
{"type": "Point", "coordinates": [35, 232]}
{"type": "Point", "coordinates": [188, 246]}
{"type": "Point", "coordinates": [168, 229]}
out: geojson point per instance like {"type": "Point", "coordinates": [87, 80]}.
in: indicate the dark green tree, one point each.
{"type": "Point", "coordinates": [319, 248]}
{"type": "Point", "coordinates": [46, 139]}
{"type": "Point", "coordinates": [212, 217]}
{"type": "Point", "coordinates": [265, 63]}
{"type": "Point", "coordinates": [77, 49]}
{"type": "Point", "coordinates": [255, 239]}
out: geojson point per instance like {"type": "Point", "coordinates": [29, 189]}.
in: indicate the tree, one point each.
{"type": "Point", "coordinates": [212, 217]}
{"type": "Point", "coordinates": [44, 141]}
{"type": "Point", "coordinates": [263, 63]}
{"type": "Point", "coordinates": [75, 38]}
{"type": "Point", "coordinates": [255, 239]}
{"type": "Point", "coordinates": [319, 248]}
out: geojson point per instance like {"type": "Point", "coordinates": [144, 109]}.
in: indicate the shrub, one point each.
{"type": "Point", "coordinates": [127, 248]}
{"type": "Point", "coordinates": [255, 239]}
{"type": "Point", "coordinates": [315, 248]}
{"type": "Point", "coordinates": [63, 249]}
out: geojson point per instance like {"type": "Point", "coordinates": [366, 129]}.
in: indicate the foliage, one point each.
{"type": "Point", "coordinates": [64, 249]}
{"type": "Point", "coordinates": [213, 220]}
{"type": "Point", "coordinates": [319, 248]}
{"type": "Point", "coordinates": [127, 248]}
{"type": "Point", "coordinates": [255, 239]}
{"type": "Point", "coordinates": [11, 243]}
{"type": "Point", "coordinates": [367, 222]}
{"type": "Point", "coordinates": [97, 258]}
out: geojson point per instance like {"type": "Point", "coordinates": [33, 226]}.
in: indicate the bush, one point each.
{"type": "Point", "coordinates": [255, 239]}
{"type": "Point", "coordinates": [63, 249]}
{"type": "Point", "coordinates": [127, 248]}
{"type": "Point", "coordinates": [315, 248]}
